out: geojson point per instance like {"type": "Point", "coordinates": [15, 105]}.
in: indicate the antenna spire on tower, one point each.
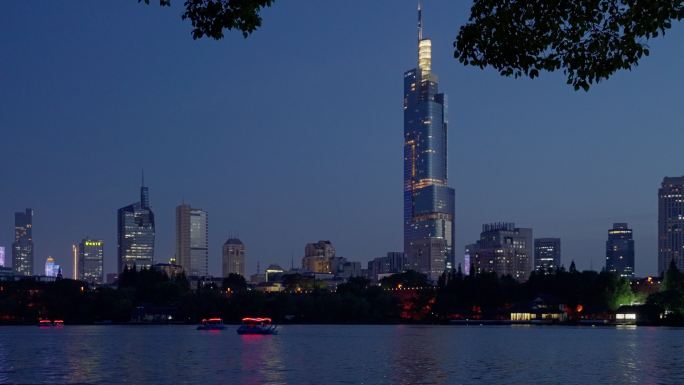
{"type": "Point", "coordinates": [420, 20]}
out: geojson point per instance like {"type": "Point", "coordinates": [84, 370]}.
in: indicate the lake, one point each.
{"type": "Point", "coordinates": [324, 354]}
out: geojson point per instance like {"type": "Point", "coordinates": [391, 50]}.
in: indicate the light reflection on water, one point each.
{"type": "Point", "coordinates": [318, 354]}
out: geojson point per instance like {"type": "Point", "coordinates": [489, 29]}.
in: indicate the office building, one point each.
{"type": "Point", "coordinates": [2, 256]}
{"type": "Point", "coordinates": [620, 251]}
{"type": "Point", "coordinates": [233, 257]}
{"type": "Point", "coordinates": [671, 223]}
{"type": "Point", "coordinates": [503, 249]}
{"type": "Point", "coordinates": [51, 268]}
{"type": "Point", "coordinates": [192, 240]}
{"type": "Point", "coordinates": [393, 262]}
{"type": "Point", "coordinates": [317, 257]}
{"type": "Point", "coordinates": [547, 255]}
{"type": "Point", "coordinates": [22, 248]}
{"type": "Point", "coordinates": [428, 199]}
{"type": "Point", "coordinates": [91, 261]}
{"type": "Point", "coordinates": [135, 233]}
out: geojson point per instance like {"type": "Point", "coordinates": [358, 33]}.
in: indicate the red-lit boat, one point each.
{"type": "Point", "coordinates": [257, 326]}
{"type": "Point", "coordinates": [211, 324]}
{"type": "Point", "coordinates": [46, 323]}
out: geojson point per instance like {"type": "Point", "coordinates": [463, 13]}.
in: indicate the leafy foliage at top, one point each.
{"type": "Point", "coordinates": [210, 17]}
{"type": "Point", "coordinates": [589, 40]}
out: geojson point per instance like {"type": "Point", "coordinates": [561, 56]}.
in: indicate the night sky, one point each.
{"type": "Point", "coordinates": [295, 134]}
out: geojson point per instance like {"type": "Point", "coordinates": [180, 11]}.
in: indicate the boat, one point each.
{"type": "Point", "coordinates": [257, 326]}
{"type": "Point", "coordinates": [211, 324]}
{"type": "Point", "coordinates": [46, 323]}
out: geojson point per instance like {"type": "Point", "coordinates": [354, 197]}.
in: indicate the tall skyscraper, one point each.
{"type": "Point", "coordinates": [192, 240]}
{"type": "Point", "coordinates": [620, 250]}
{"type": "Point", "coordinates": [428, 200]}
{"type": "Point", "coordinates": [22, 248]}
{"type": "Point", "coordinates": [671, 223]}
{"type": "Point", "coordinates": [91, 261]}
{"type": "Point", "coordinates": [503, 249]}
{"type": "Point", "coordinates": [547, 255]}
{"type": "Point", "coordinates": [233, 257]}
{"type": "Point", "coordinates": [135, 233]}
{"type": "Point", "coordinates": [2, 256]}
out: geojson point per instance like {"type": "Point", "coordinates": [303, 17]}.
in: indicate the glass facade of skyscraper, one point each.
{"type": "Point", "coordinates": [136, 234]}
{"type": "Point", "coordinates": [671, 223]}
{"type": "Point", "coordinates": [192, 246]}
{"type": "Point", "coordinates": [428, 200]}
{"type": "Point", "coordinates": [547, 255]}
{"type": "Point", "coordinates": [91, 260]}
{"type": "Point", "coordinates": [22, 248]}
{"type": "Point", "coordinates": [620, 251]}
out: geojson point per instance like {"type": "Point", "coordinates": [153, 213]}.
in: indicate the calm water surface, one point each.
{"type": "Point", "coordinates": [343, 355]}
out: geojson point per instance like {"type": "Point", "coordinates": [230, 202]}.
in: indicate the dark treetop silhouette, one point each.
{"type": "Point", "coordinates": [589, 40]}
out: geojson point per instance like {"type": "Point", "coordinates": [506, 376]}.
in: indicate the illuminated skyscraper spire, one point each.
{"type": "Point", "coordinates": [420, 20]}
{"type": "Point", "coordinates": [424, 46]}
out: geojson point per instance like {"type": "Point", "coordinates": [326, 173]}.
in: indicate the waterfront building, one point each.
{"type": "Point", "coordinates": [192, 240]}
{"type": "Point", "coordinates": [503, 249]}
{"type": "Point", "coordinates": [233, 257]}
{"type": "Point", "coordinates": [135, 233]}
{"type": "Point", "coordinates": [428, 199]}
{"type": "Point", "coordinates": [671, 223]}
{"type": "Point", "coordinates": [91, 261]}
{"type": "Point", "coordinates": [22, 248]}
{"type": "Point", "coordinates": [317, 257]}
{"type": "Point", "coordinates": [2, 256]}
{"type": "Point", "coordinates": [620, 251]}
{"type": "Point", "coordinates": [547, 255]}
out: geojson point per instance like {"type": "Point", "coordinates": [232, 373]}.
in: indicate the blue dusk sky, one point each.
{"type": "Point", "coordinates": [295, 134]}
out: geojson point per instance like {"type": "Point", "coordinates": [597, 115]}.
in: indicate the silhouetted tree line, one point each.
{"type": "Point", "coordinates": [401, 297]}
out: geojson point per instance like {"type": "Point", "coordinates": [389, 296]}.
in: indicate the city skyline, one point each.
{"type": "Point", "coordinates": [571, 190]}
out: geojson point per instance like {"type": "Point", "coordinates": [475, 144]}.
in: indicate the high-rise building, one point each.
{"type": "Point", "coordinates": [192, 240]}
{"type": "Point", "coordinates": [503, 249]}
{"type": "Point", "coordinates": [469, 258]}
{"type": "Point", "coordinates": [135, 233]}
{"type": "Point", "coordinates": [428, 200]}
{"type": "Point", "coordinates": [91, 261]}
{"type": "Point", "coordinates": [671, 223]}
{"type": "Point", "coordinates": [22, 248]}
{"type": "Point", "coordinates": [547, 255]}
{"type": "Point", "coordinates": [233, 257]}
{"type": "Point", "coordinates": [393, 262]}
{"type": "Point", "coordinates": [2, 256]}
{"type": "Point", "coordinates": [317, 257]}
{"type": "Point", "coordinates": [620, 250]}
{"type": "Point", "coordinates": [51, 268]}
